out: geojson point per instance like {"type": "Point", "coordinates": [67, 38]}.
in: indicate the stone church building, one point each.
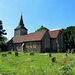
{"type": "Point", "coordinates": [42, 41]}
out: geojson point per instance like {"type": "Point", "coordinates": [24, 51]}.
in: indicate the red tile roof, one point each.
{"type": "Point", "coordinates": [54, 33]}
{"type": "Point", "coordinates": [36, 36]}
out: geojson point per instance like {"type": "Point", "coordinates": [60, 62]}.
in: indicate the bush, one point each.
{"type": "Point", "coordinates": [3, 47]}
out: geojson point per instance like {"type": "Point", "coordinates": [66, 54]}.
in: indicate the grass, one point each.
{"type": "Point", "coordinates": [37, 64]}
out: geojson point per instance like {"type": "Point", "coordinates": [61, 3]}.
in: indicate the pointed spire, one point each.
{"type": "Point", "coordinates": [21, 21]}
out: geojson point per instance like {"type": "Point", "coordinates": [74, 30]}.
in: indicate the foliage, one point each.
{"type": "Point", "coordinates": [3, 41]}
{"type": "Point", "coordinates": [66, 68]}
{"type": "Point", "coordinates": [2, 38]}
{"type": "Point", "coordinates": [37, 64]}
{"type": "Point", "coordinates": [41, 29]}
{"type": "Point", "coordinates": [3, 44]}
{"type": "Point", "coordinates": [69, 36]}
{"type": "Point", "coordinates": [2, 31]}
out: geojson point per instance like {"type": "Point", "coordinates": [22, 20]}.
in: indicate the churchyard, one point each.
{"type": "Point", "coordinates": [21, 63]}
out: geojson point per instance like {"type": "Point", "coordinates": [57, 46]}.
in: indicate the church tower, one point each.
{"type": "Point", "coordinates": [20, 29]}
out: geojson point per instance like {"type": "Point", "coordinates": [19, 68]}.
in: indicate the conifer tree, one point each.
{"type": "Point", "coordinates": [2, 31]}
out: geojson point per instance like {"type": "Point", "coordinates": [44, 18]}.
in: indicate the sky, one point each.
{"type": "Point", "coordinates": [53, 14]}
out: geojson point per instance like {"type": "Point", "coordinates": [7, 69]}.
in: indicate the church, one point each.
{"type": "Point", "coordinates": [39, 42]}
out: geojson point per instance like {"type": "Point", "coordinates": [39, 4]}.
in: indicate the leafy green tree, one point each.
{"type": "Point", "coordinates": [69, 36]}
{"type": "Point", "coordinates": [3, 40]}
{"type": "Point", "coordinates": [41, 29]}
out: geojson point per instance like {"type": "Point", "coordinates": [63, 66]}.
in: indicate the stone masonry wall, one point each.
{"type": "Point", "coordinates": [27, 46]}
{"type": "Point", "coordinates": [53, 45]}
{"type": "Point", "coordinates": [15, 47]}
{"type": "Point", "coordinates": [60, 42]}
{"type": "Point", "coordinates": [46, 42]}
{"type": "Point", "coordinates": [57, 43]}
{"type": "Point", "coordinates": [34, 46]}
{"type": "Point", "coordinates": [20, 32]}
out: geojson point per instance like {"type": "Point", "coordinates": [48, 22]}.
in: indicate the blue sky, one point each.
{"type": "Point", "coordinates": [53, 14]}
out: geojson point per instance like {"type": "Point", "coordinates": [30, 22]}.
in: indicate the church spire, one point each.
{"type": "Point", "coordinates": [21, 21]}
{"type": "Point", "coordinates": [20, 29]}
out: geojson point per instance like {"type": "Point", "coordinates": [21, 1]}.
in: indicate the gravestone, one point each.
{"type": "Point", "coordinates": [24, 51]}
{"type": "Point", "coordinates": [4, 55]}
{"type": "Point", "coordinates": [9, 53]}
{"type": "Point", "coordinates": [31, 53]}
{"type": "Point", "coordinates": [16, 53]}
{"type": "Point", "coordinates": [2, 74]}
{"type": "Point", "coordinates": [5, 59]}
{"type": "Point", "coordinates": [49, 54]}
{"type": "Point", "coordinates": [11, 49]}
{"type": "Point", "coordinates": [53, 59]}
{"type": "Point", "coordinates": [0, 49]}
{"type": "Point", "coordinates": [66, 54]}
{"type": "Point", "coordinates": [72, 51]}
{"type": "Point", "coordinates": [68, 51]}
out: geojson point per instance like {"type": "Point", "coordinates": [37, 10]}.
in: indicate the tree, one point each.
{"type": "Point", "coordinates": [3, 40]}
{"type": "Point", "coordinates": [69, 36]}
{"type": "Point", "coordinates": [3, 45]}
{"type": "Point", "coordinates": [2, 31]}
{"type": "Point", "coordinates": [41, 29]}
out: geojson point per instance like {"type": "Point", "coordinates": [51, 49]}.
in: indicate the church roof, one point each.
{"type": "Point", "coordinates": [54, 33]}
{"type": "Point", "coordinates": [21, 25]}
{"type": "Point", "coordinates": [21, 21]}
{"type": "Point", "coordinates": [36, 36]}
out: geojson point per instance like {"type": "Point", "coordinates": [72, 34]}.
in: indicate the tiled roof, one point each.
{"type": "Point", "coordinates": [54, 33]}
{"type": "Point", "coordinates": [21, 21]}
{"type": "Point", "coordinates": [20, 27]}
{"type": "Point", "coordinates": [36, 36]}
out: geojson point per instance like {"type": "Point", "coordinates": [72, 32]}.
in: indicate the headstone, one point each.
{"type": "Point", "coordinates": [53, 59]}
{"type": "Point", "coordinates": [66, 54]}
{"type": "Point", "coordinates": [0, 49]}
{"type": "Point", "coordinates": [4, 55]}
{"type": "Point", "coordinates": [31, 53]}
{"type": "Point", "coordinates": [2, 74]}
{"type": "Point", "coordinates": [16, 53]}
{"type": "Point", "coordinates": [24, 51]}
{"type": "Point", "coordinates": [9, 53]}
{"type": "Point", "coordinates": [72, 51]}
{"type": "Point", "coordinates": [68, 51]}
{"type": "Point", "coordinates": [11, 49]}
{"type": "Point", "coordinates": [49, 54]}
{"type": "Point", "coordinates": [4, 59]}
{"type": "Point", "coordinates": [32, 60]}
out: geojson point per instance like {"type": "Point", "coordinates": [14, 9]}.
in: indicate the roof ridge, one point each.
{"type": "Point", "coordinates": [38, 31]}
{"type": "Point", "coordinates": [56, 30]}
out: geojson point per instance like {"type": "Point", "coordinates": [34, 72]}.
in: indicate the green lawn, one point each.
{"type": "Point", "coordinates": [37, 64]}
